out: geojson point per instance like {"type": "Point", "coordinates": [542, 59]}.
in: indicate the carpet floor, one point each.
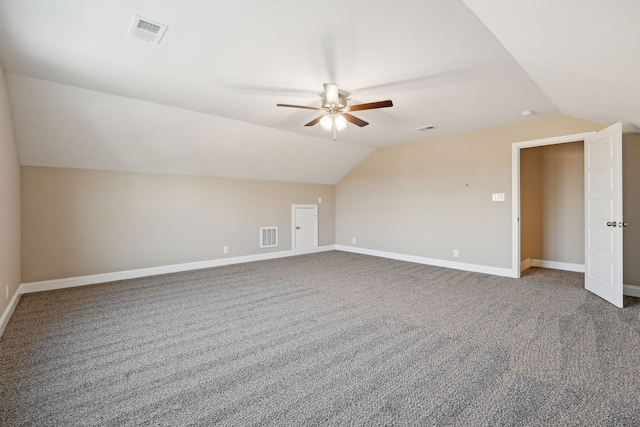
{"type": "Point", "coordinates": [332, 338]}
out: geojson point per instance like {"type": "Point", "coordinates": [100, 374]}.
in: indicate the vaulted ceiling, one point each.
{"type": "Point", "coordinates": [85, 94]}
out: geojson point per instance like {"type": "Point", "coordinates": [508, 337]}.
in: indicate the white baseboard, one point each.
{"type": "Point", "coordinates": [631, 290]}
{"type": "Point", "coordinates": [525, 264]}
{"type": "Point", "coordinates": [70, 282]}
{"type": "Point", "coordinates": [476, 268]}
{"type": "Point", "coordinates": [578, 268]}
{"type": "Point", "coordinates": [4, 320]}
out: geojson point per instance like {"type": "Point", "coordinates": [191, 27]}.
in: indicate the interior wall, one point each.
{"type": "Point", "coordinates": [430, 197]}
{"type": "Point", "coordinates": [552, 203]}
{"type": "Point", "coordinates": [631, 208]}
{"type": "Point", "coordinates": [563, 203]}
{"type": "Point", "coordinates": [530, 203]}
{"type": "Point", "coordinates": [9, 201]}
{"type": "Point", "coordinates": [81, 222]}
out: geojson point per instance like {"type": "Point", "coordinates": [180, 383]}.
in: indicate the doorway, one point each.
{"type": "Point", "coordinates": [304, 224]}
{"type": "Point", "coordinates": [552, 206]}
{"type": "Point", "coordinates": [602, 157]}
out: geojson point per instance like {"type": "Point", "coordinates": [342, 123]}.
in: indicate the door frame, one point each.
{"type": "Point", "coordinates": [293, 224]}
{"type": "Point", "coordinates": [515, 188]}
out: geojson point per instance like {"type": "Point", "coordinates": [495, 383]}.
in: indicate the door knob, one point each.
{"type": "Point", "coordinates": [623, 224]}
{"type": "Point", "coordinates": [297, 227]}
{"type": "Point", "coordinates": [609, 224]}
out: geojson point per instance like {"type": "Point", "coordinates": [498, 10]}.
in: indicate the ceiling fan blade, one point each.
{"type": "Point", "coordinates": [371, 106]}
{"type": "Point", "coordinates": [298, 106]}
{"type": "Point", "coordinates": [314, 121]}
{"type": "Point", "coordinates": [353, 119]}
{"type": "Point", "coordinates": [331, 93]}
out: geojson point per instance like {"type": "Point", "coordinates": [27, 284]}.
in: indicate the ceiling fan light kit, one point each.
{"type": "Point", "coordinates": [336, 112]}
{"type": "Point", "coordinates": [329, 122]}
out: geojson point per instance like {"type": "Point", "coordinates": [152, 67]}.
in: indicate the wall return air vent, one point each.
{"type": "Point", "coordinates": [268, 237]}
{"type": "Point", "coordinates": [144, 29]}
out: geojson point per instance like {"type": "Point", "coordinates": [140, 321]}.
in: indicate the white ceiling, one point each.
{"type": "Point", "coordinates": [583, 54]}
{"type": "Point", "coordinates": [202, 102]}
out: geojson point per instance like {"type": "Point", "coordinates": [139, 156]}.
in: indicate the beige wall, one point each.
{"type": "Point", "coordinates": [552, 203]}
{"type": "Point", "coordinates": [79, 222]}
{"type": "Point", "coordinates": [428, 198]}
{"type": "Point", "coordinates": [631, 207]}
{"type": "Point", "coordinates": [531, 203]}
{"type": "Point", "coordinates": [9, 201]}
{"type": "Point", "coordinates": [563, 204]}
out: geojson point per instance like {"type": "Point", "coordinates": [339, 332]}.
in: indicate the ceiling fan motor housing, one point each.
{"type": "Point", "coordinates": [342, 102]}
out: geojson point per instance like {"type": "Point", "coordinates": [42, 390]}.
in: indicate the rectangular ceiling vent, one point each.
{"type": "Point", "coordinates": [268, 237]}
{"type": "Point", "coordinates": [147, 30]}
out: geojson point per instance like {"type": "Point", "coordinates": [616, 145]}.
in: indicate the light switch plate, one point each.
{"type": "Point", "coordinates": [498, 197]}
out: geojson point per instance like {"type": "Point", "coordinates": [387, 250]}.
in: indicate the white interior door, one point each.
{"type": "Point", "coordinates": [305, 226]}
{"type": "Point", "coordinates": [603, 214]}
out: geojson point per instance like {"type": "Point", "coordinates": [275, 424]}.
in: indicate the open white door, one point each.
{"type": "Point", "coordinates": [603, 214]}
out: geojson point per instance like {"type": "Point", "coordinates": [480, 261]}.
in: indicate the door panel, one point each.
{"type": "Point", "coordinates": [601, 269]}
{"type": "Point", "coordinates": [601, 240]}
{"type": "Point", "coordinates": [600, 209]}
{"type": "Point", "coordinates": [603, 193]}
{"type": "Point", "coordinates": [601, 180]}
{"type": "Point", "coordinates": [600, 151]}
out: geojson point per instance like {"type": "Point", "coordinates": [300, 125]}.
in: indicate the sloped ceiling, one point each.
{"type": "Point", "coordinates": [583, 54]}
{"type": "Point", "coordinates": [202, 102]}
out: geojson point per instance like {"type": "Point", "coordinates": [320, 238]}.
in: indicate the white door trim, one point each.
{"type": "Point", "coordinates": [515, 188]}
{"type": "Point", "coordinates": [293, 224]}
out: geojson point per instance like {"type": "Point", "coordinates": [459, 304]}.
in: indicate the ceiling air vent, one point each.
{"type": "Point", "coordinates": [147, 30]}
{"type": "Point", "coordinates": [268, 237]}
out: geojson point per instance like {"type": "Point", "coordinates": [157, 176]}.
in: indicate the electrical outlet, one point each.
{"type": "Point", "coordinates": [455, 253]}
{"type": "Point", "coordinates": [353, 240]}
{"type": "Point", "coordinates": [225, 250]}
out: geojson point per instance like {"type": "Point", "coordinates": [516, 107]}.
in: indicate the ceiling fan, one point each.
{"type": "Point", "coordinates": [336, 111]}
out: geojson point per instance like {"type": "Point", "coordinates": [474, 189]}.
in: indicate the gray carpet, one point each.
{"type": "Point", "coordinates": [325, 339]}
